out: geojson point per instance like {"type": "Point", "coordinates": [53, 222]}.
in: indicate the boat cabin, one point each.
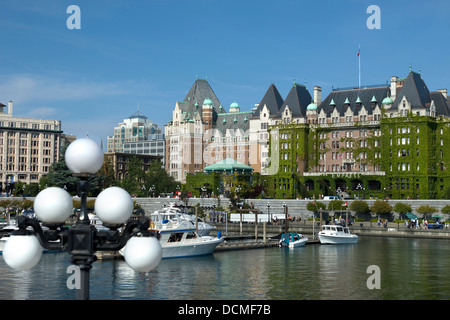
{"type": "Point", "coordinates": [336, 228]}
{"type": "Point", "coordinates": [290, 237]}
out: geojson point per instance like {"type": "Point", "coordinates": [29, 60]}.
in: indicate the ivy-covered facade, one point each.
{"type": "Point", "coordinates": [377, 142]}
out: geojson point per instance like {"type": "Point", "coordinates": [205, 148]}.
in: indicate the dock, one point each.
{"type": "Point", "coordinates": [230, 243]}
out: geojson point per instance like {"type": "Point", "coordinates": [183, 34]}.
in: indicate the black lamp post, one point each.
{"type": "Point", "coordinates": [54, 205]}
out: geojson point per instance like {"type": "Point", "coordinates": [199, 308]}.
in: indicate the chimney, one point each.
{"type": "Point", "coordinates": [10, 108]}
{"type": "Point", "coordinates": [393, 87]}
{"type": "Point", "coordinates": [317, 95]}
{"type": "Point", "coordinates": [444, 92]}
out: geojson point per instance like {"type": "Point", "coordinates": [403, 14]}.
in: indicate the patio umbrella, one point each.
{"type": "Point", "coordinates": [436, 216]}
{"type": "Point", "coordinates": [411, 216]}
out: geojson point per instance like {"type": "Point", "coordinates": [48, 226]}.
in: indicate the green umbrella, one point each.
{"type": "Point", "coordinates": [411, 216]}
{"type": "Point", "coordinates": [436, 216]}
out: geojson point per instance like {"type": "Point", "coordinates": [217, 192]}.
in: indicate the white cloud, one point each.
{"type": "Point", "coordinates": [42, 113]}
{"type": "Point", "coordinates": [24, 88]}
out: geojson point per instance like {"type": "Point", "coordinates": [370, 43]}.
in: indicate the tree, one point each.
{"type": "Point", "coordinates": [361, 209]}
{"type": "Point", "coordinates": [359, 206]}
{"type": "Point", "coordinates": [134, 179]}
{"type": "Point", "coordinates": [381, 207]}
{"type": "Point", "coordinates": [426, 209]}
{"type": "Point", "coordinates": [106, 175]}
{"type": "Point", "coordinates": [336, 205]}
{"type": "Point", "coordinates": [402, 208]}
{"type": "Point", "coordinates": [158, 181]}
{"type": "Point", "coordinates": [60, 176]}
{"type": "Point", "coordinates": [446, 209]}
{"type": "Point", "coordinates": [315, 206]}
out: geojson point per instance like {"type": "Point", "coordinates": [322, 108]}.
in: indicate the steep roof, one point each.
{"type": "Point", "coordinates": [194, 99]}
{"type": "Point", "coordinates": [272, 99]}
{"type": "Point", "coordinates": [344, 98]}
{"type": "Point", "coordinates": [442, 105]}
{"type": "Point", "coordinates": [415, 90]}
{"type": "Point", "coordinates": [297, 100]}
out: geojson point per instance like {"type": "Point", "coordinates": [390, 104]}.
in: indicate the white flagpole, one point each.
{"type": "Point", "coordinates": [359, 62]}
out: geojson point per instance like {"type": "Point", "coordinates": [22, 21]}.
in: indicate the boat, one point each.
{"type": "Point", "coordinates": [203, 228]}
{"type": "Point", "coordinates": [336, 234]}
{"type": "Point", "coordinates": [292, 240]}
{"type": "Point", "coordinates": [178, 236]}
{"type": "Point", "coordinates": [96, 222]}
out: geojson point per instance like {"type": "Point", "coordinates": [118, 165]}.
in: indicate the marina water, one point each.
{"type": "Point", "coordinates": [409, 269]}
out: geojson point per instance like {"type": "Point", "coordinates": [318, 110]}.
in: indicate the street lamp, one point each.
{"type": "Point", "coordinates": [359, 188]}
{"type": "Point", "coordinates": [53, 206]}
{"type": "Point", "coordinates": [268, 212]}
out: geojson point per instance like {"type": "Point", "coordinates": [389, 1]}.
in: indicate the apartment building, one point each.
{"type": "Point", "coordinates": [28, 147]}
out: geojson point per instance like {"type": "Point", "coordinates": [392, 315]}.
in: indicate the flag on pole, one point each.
{"type": "Point", "coordinates": [340, 156]}
{"type": "Point", "coordinates": [359, 65]}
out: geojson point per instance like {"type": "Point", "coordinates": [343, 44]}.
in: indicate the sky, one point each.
{"type": "Point", "coordinates": [135, 54]}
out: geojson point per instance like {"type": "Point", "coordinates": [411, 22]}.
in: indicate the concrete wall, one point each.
{"type": "Point", "coordinates": [295, 207]}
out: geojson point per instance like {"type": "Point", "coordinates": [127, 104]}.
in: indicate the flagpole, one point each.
{"type": "Point", "coordinates": [359, 64]}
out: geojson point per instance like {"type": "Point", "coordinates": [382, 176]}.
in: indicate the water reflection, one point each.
{"type": "Point", "coordinates": [410, 269]}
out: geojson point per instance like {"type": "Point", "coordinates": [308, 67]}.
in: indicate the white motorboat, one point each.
{"type": "Point", "coordinates": [96, 222]}
{"type": "Point", "coordinates": [178, 236]}
{"type": "Point", "coordinates": [336, 234]}
{"type": "Point", "coordinates": [203, 228]}
{"type": "Point", "coordinates": [292, 240]}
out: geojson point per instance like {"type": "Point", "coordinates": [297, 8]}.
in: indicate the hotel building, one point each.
{"type": "Point", "coordinates": [28, 147]}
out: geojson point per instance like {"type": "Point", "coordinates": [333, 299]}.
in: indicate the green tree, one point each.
{"type": "Point", "coordinates": [446, 209]}
{"type": "Point", "coordinates": [60, 176]}
{"type": "Point", "coordinates": [426, 209]}
{"type": "Point", "coordinates": [106, 175]}
{"type": "Point", "coordinates": [361, 209]}
{"type": "Point", "coordinates": [158, 181]}
{"type": "Point", "coordinates": [315, 206]}
{"type": "Point", "coordinates": [380, 207]}
{"type": "Point", "coordinates": [359, 206]}
{"type": "Point", "coordinates": [134, 178]}
{"type": "Point", "coordinates": [336, 205]}
{"type": "Point", "coordinates": [402, 208]}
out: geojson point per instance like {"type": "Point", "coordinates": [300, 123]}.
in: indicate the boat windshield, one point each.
{"type": "Point", "coordinates": [339, 229]}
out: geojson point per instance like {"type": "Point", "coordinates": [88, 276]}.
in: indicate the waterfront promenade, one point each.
{"type": "Point", "coordinates": [296, 208]}
{"type": "Point", "coordinates": [265, 230]}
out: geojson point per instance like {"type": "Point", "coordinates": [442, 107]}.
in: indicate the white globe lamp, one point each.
{"type": "Point", "coordinates": [143, 254]}
{"type": "Point", "coordinates": [114, 206]}
{"type": "Point", "coordinates": [22, 252]}
{"type": "Point", "coordinates": [84, 156]}
{"type": "Point", "coordinates": [53, 205]}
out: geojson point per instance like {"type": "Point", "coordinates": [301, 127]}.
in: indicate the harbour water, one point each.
{"type": "Point", "coordinates": [408, 269]}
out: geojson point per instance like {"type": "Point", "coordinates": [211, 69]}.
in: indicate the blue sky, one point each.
{"type": "Point", "coordinates": [149, 53]}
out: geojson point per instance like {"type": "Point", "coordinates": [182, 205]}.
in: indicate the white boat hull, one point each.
{"type": "Point", "coordinates": [191, 249]}
{"type": "Point", "coordinates": [292, 240]}
{"type": "Point", "coordinates": [299, 243]}
{"type": "Point", "coordinates": [330, 239]}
